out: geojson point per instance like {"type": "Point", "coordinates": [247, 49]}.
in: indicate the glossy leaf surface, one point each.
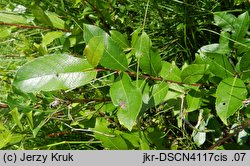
{"type": "Point", "coordinates": [53, 72]}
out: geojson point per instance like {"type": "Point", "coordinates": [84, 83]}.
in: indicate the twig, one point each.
{"type": "Point", "coordinates": [33, 27]}
{"type": "Point", "coordinates": [148, 77]}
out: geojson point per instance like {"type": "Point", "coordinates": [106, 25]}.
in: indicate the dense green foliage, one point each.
{"type": "Point", "coordinates": [124, 74]}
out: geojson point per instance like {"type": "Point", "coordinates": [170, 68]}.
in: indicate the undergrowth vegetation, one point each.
{"type": "Point", "coordinates": [124, 74]}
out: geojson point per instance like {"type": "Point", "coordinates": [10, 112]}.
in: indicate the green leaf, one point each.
{"type": "Point", "coordinates": [5, 137]}
{"type": "Point", "coordinates": [40, 15]}
{"type": "Point", "coordinates": [158, 93]}
{"type": "Point", "coordinates": [12, 19]}
{"type": "Point", "coordinates": [224, 20]}
{"type": "Point", "coordinates": [135, 36]}
{"type": "Point", "coordinates": [155, 137]}
{"type": "Point", "coordinates": [120, 39]}
{"type": "Point", "coordinates": [149, 60]}
{"type": "Point", "coordinates": [229, 96]}
{"type": "Point", "coordinates": [175, 91]}
{"type": "Point", "coordinates": [29, 119]}
{"type": "Point", "coordinates": [238, 2]}
{"type": "Point", "coordinates": [193, 73]}
{"type": "Point", "coordinates": [193, 99]}
{"type": "Point", "coordinates": [224, 43]}
{"type": "Point", "coordinates": [144, 143]}
{"type": "Point", "coordinates": [5, 32]}
{"type": "Point", "coordinates": [219, 64]}
{"type": "Point", "coordinates": [170, 72]}
{"type": "Point", "coordinates": [241, 25]}
{"type": "Point", "coordinates": [94, 50]}
{"type": "Point", "coordinates": [217, 48]}
{"type": "Point", "coordinates": [17, 117]}
{"type": "Point", "coordinates": [55, 20]}
{"type": "Point", "coordinates": [16, 138]}
{"type": "Point", "coordinates": [151, 64]}
{"type": "Point", "coordinates": [92, 31]}
{"type": "Point", "coordinates": [145, 89]}
{"type": "Point", "coordinates": [245, 66]}
{"type": "Point", "coordinates": [77, 1]}
{"type": "Point", "coordinates": [50, 37]}
{"type": "Point", "coordinates": [242, 46]}
{"type": "Point", "coordinates": [110, 139]}
{"type": "Point", "coordinates": [142, 46]}
{"type": "Point", "coordinates": [2, 127]}
{"type": "Point", "coordinates": [113, 56]}
{"type": "Point", "coordinates": [54, 72]}
{"type": "Point", "coordinates": [124, 94]}
{"type": "Point", "coordinates": [132, 139]}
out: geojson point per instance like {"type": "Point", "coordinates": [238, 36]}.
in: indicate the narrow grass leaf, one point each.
{"type": "Point", "coordinates": [16, 117]}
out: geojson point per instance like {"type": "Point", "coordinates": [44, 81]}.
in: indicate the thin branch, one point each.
{"type": "Point", "coordinates": [33, 27]}
{"type": "Point", "coordinates": [144, 76]}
